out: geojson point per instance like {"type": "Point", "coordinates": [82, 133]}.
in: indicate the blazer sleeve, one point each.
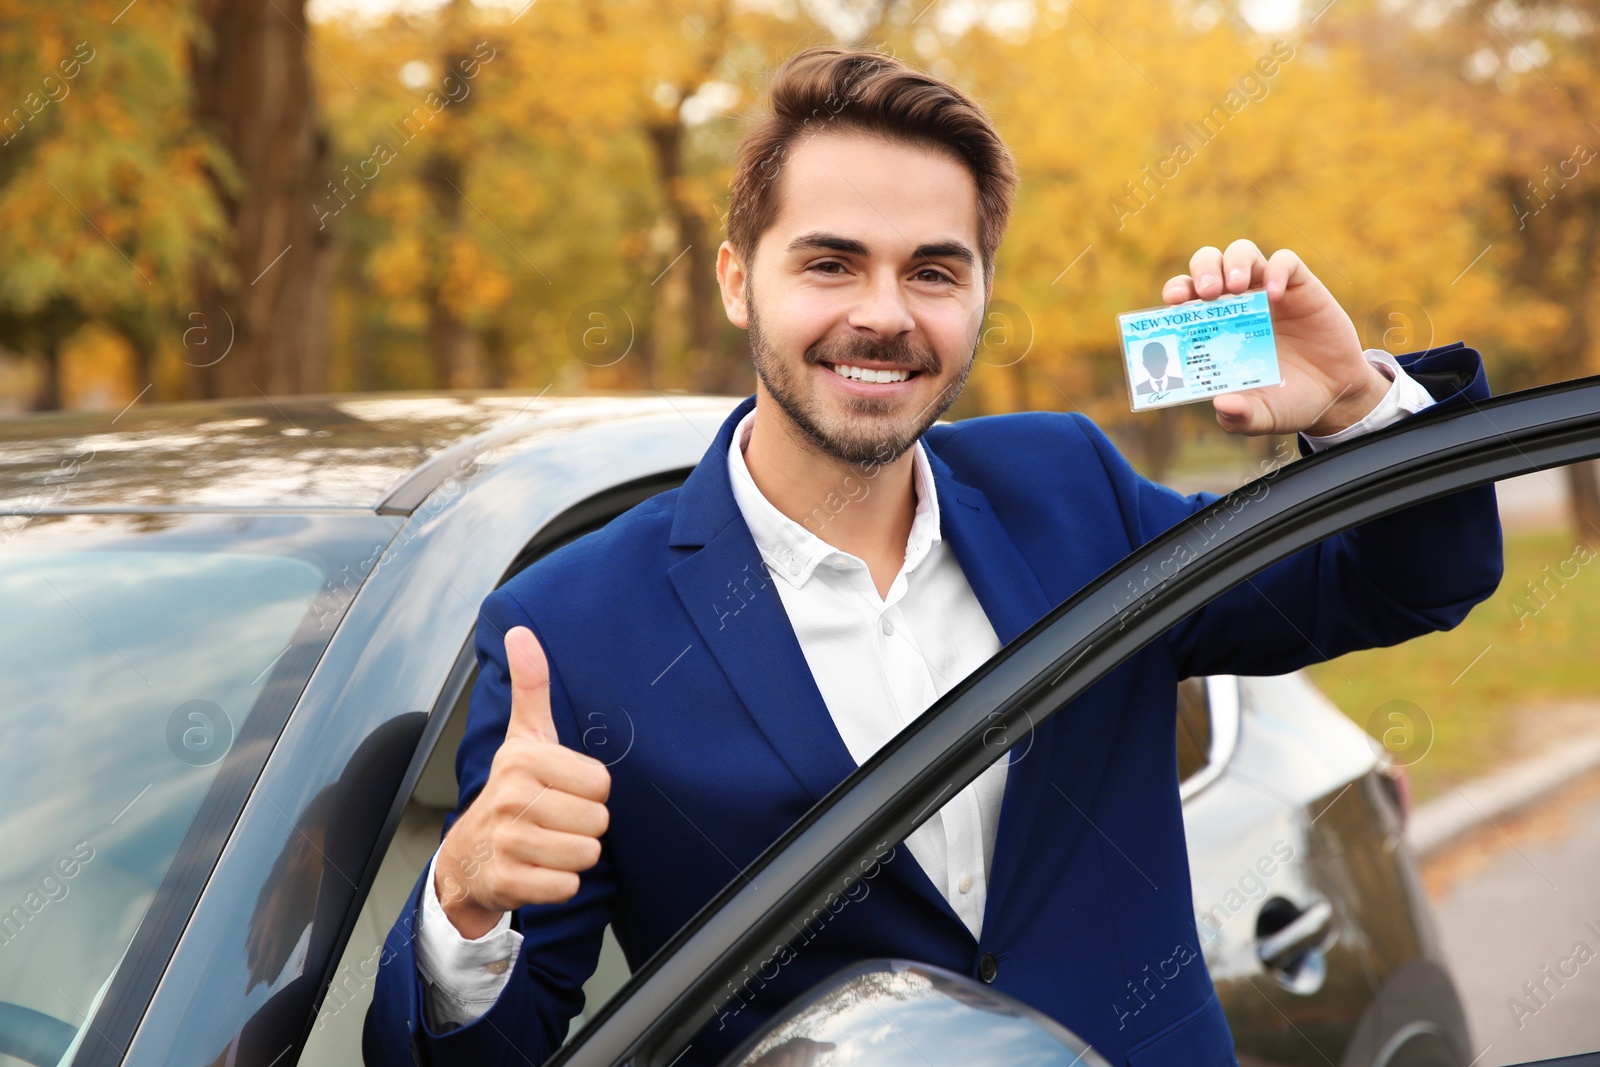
{"type": "Point", "coordinates": [1381, 583]}
{"type": "Point", "coordinates": [560, 942]}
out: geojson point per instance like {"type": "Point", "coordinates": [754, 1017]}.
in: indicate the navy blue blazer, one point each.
{"type": "Point", "coordinates": [664, 633]}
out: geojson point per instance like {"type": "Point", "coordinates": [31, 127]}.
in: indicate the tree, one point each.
{"type": "Point", "coordinates": [576, 187]}
{"type": "Point", "coordinates": [1528, 74]}
{"type": "Point", "coordinates": [105, 210]}
{"type": "Point", "coordinates": [253, 94]}
{"type": "Point", "coordinates": [1142, 137]}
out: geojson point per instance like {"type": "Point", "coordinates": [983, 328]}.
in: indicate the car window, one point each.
{"type": "Point", "coordinates": [336, 1034]}
{"type": "Point", "coordinates": [335, 1037]}
{"type": "Point", "coordinates": [140, 657]}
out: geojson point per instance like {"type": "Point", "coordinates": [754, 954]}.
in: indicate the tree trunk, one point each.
{"type": "Point", "coordinates": [451, 342]}
{"type": "Point", "coordinates": [252, 90]}
{"type": "Point", "coordinates": [1583, 501]}
{"type": "Point", "coordinates": [454, 347]}
{"type": "Point", "coordinates": [144, 359]}
{"type": "Point", "coordinates": [496, 356]}
{"type": "Point", "coordinates": [47, 397]}
{"type": "Point", "coordinates": [1557, 256]}
{"type": "Point", "coordinates": [1583, 485]}
{"type": "Point", "coordinates": [708, 372]}
{"type": "Point", "coordinates": [1583, 488]}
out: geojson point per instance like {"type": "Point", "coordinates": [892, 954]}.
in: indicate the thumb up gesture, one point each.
{"type": "Point", "coordinates": [537, 821]}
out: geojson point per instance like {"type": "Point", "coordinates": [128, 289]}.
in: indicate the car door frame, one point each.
{"type": "Point", "coordinates": [1437, 452]}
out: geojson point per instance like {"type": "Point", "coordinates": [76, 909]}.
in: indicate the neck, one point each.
{"type": "Point", "coordinates": [863, 509]}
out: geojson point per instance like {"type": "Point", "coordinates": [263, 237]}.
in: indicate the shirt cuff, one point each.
{"type": "Point", "coordinates": [463, 977]}
{"type": "Point", "coordinates": [1406, 396]}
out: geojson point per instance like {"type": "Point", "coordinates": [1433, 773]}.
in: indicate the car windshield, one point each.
{"type": "Point", "coordinates": [140, 657]}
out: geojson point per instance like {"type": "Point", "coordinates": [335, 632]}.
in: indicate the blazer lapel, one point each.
{"type": "Point", "coordinates": [1000, 578]}
{"type": "Point", "coordinates": [1012, 598]}
{"type": "Point", "coordinates": [730, 597]}
{"type": "Point", "coordinates": [740, 618]}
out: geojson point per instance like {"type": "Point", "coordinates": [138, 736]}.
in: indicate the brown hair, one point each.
{"type": "Point", "coordinates": [871, 92]}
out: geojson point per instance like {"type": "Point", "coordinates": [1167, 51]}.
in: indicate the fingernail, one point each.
{"type": "Point", "coordinates": [1207, 279]}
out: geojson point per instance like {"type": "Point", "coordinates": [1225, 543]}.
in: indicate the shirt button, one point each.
{"type": "Point", "coordinates": [988, 967]}
{"type": "Point", "coordinates": [793, 567]}
{"type": "Point", "coordinates": [497, 966]}
{"type": "Point", "coordinates": [888, 627]}
{"type": "Point", "coordinates": [966, 883]}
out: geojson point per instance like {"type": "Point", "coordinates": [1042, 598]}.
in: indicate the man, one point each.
{"type": "Point", "coordinates": [835, 563]}
{"type": "Point", "coordinates": [1155, 366]}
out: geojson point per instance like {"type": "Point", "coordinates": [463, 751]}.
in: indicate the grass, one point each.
{"type": "Point", "coordinates": [1535, 642]}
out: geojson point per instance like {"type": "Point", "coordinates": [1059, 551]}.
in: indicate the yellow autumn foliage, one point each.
{"type": "Point", "coordinates": [503, 168]}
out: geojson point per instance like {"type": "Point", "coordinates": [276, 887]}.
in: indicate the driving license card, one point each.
{"type": "Point", "coordinates": [1185, 352]}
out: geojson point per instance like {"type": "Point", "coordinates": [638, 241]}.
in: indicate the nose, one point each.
{"type": "Point", "coordinates": [882, 309]}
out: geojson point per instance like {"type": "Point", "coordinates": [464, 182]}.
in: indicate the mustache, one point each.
{"type": "Point", "coordinates": [899, 351]}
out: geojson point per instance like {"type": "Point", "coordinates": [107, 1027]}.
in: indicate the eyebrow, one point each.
{"type": "Point", "coordinates": [833, 242]}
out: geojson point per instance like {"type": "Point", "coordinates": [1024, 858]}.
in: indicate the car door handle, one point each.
{"type": "Point", "coordinates": [1285, 948]}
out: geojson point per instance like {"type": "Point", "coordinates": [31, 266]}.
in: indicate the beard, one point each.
{"type": "Point", "coordinates": [869, 432]}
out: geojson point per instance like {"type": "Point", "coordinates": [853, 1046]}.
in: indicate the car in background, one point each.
{"type": "Point", "coordinates": [238, 648]}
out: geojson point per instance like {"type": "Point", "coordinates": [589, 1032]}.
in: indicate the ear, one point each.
{"type": "Point", "coordinates": [731, 278]}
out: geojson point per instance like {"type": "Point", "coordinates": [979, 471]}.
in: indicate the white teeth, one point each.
{"type": "Point", "coordinates": [862, 374]}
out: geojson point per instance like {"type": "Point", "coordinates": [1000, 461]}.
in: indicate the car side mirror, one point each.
{"type": "Point", "coordinates": [896, 1013]}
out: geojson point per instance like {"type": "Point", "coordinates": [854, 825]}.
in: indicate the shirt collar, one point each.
{"type": "Point", "coordinates": [790, 548]}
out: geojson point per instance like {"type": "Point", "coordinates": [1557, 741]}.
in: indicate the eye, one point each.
{"type": "Point", "coordinates": [939, 275]}
{"type": "Point", "coordinates": [827, 263]}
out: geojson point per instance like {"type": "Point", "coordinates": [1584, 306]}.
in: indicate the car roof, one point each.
{"type": "Point", "coordinates": [296, 452]}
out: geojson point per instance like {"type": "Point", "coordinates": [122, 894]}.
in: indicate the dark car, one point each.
{"type": "Point", "coordinates": [238, 647]}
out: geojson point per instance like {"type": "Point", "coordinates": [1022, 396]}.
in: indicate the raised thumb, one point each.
{"type": "Point", "coordinates": [530, 687]}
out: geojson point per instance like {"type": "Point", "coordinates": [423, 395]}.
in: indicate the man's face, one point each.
{"type": "Point", "coordinates": [871, 263]}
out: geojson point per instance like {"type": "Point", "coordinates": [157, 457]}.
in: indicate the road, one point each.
{"type": "Point", "coordinates": [1518, 910]}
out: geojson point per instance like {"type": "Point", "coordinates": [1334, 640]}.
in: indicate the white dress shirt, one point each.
{"type": "Point", "coordinates": [878, 661]}
{"type": "Point", "coordinates": [1406, 396]}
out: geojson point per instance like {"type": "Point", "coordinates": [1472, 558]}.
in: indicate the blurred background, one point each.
{"type": "Point", "coordinates": [215, 198]}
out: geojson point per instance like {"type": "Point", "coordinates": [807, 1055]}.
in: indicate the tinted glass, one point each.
{"type": "Point", "coordinates": [135, 655]}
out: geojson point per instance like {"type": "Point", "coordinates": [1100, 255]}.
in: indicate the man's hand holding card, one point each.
{"type": "Point", "coordinates": [1326, 383]}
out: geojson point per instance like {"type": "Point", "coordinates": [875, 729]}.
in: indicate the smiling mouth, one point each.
{"type": "Point", "coordinates": [868, 374]}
